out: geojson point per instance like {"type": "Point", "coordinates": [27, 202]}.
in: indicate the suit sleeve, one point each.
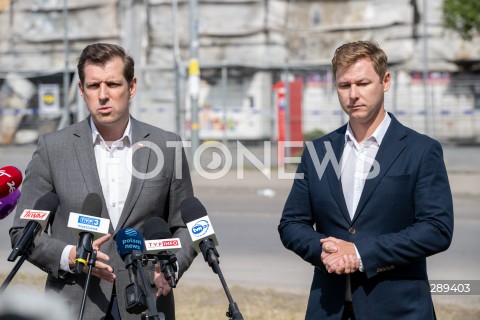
{"type": "Point", "coordinates": [38, 181]}
{"type": "Point", "coordinates": [296, 224]}
{"type": "Point", "coordinates": [432, 229]}
{"type": "Point", "coordinates": [180, 189]}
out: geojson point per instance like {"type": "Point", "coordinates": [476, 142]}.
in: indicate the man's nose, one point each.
{"type": "Point", "coordinates": [353, 92]}
{"type": "Point", "coordinates": [103, 92]}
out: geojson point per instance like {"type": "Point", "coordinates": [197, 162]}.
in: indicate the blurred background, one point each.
{"type": "Point", "coordinates": [254, 72]}
{"type": "Point", "coordinates": [223, 64]}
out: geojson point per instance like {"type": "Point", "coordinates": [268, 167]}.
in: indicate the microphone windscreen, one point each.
{"type": "Point", "coordinates": [9, 203]}
{"type": "Point", "coordinates": [92, 205]}
{"type": "Point", "coordinates": [156, 228]}
{"type": "Point", "coordinates": [47, 202]}
{"type": "Point", "coordinates": [10, 179]}
{"type": "Point", "coordinates": [192, 209]}
{"type": "Point", "coordinates": [127, 240]}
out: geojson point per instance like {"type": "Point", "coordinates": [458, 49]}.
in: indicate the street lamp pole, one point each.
{"type": "Point", "coordinates": [426, 95]}
{"type": "Point", "coordinates": [194, 76]}
{"type": "Point", "coordinates": [65, 118]}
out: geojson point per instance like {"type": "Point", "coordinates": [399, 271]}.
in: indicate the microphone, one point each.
{"type": "Point", "coordinates": [128, 240]}
{"type": "Point", "coordinates": [162, 247]}
{"type": "Point", "coordinates": [199, 226]}
{"type": "Point", "coordinates": [87, 228]}
{"type": "Point", "coordinates": [130, 246]}
{"type": "Point", "coordinates": [201, 231]}
{"type": "Point", "coordinates": [38, 219]}
{"type": "Point", "coordinates": [10, 179]}
{"type": "Point", "coordinates": [8, 203]}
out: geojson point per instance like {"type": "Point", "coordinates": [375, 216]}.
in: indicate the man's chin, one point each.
{"type": "Point", "coordinates": [358, 115]}
{"type": "Point", "coordinates": [105, 120]}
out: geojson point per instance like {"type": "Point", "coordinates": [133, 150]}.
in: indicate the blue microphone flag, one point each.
{"type": "Point", "coordinates": [128, 240]}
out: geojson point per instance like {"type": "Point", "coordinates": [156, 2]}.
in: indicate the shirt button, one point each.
{"type": "Point", "coordinates": [114, 204]}
{"type": "Point", "coordinates": [352, 230]}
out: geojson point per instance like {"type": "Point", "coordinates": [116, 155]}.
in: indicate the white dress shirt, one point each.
{"type": "Point", "coordinates": [114, 167]}
{"type": "Point", "coordinates": [357, 160]}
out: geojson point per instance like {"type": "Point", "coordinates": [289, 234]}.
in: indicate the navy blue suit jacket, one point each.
{"type": "Point", "coordinates": [404, 215]}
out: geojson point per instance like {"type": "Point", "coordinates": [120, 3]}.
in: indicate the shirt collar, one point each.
{"type": "Point", "coordinates": [126, 138]}
{"type": "Point", "coordinates": [377, 135]}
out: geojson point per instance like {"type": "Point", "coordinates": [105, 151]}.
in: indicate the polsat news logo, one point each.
{"type": "Point", "coordinates": [34, 214]}
{"type": "Point", "coordinates": [200, 228]}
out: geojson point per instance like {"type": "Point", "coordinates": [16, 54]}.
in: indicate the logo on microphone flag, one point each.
{"type": "Point", "coordinates": [29, 214]}
{"type": "Point", "coordinates": [131, 232]}
{"type": "Point", "coordinates": [87, 220]}
{"type": "Point", "coordinates": [134, 242]}
{"type": "Point", "coordinates": [78, 223]}
{"type": "Point", "coordinates": [200, 228]}
{"type": "Point", "coordinates": [158, 245]}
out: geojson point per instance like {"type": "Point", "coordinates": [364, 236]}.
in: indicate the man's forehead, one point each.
{"type": "Point", "coordinates": [110, 69]}
{"type": "Point", "coordinates": [360, 69]}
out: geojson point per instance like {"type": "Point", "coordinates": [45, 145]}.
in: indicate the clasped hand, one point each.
{"type": "Point", "coordinates": [339, 256]}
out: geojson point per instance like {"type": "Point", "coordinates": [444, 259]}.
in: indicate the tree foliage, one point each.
{"type": "Point", "coordinates": [462, 16]}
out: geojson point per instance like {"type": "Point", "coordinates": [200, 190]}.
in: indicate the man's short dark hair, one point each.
{"type": "Point", "coordinates": [101, 53]}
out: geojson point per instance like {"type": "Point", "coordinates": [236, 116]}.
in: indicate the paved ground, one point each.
{"type": "Point", "coordinates": [245, 214]}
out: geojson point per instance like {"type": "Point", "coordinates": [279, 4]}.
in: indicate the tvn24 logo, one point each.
{"type": "Point", "coordinates": [200, 228]}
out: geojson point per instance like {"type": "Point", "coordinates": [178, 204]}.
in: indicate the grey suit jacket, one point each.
{"type": "Point", "coordinates": [64, 163]}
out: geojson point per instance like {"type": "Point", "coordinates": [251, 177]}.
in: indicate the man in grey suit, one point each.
{"type": "Point", "coordinates": [138, 170]}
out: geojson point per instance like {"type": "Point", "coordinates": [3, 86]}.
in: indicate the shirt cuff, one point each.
{"type": "Point", "coordinates": [360, 268]}
{"type": "Point", "coordinates": [64, 259]}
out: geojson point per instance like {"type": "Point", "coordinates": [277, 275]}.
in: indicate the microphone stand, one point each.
{"type": "Point", "coordinates": [153, 314]}
{"type": "Point", "coordinates": [168, 266]}
{"type": "Point", "coordinates": [13, 273]}
{"type": "Point", "coordinates": [23, 256]}
{"type": "Point", "coordinates": [91, 263]}
{"type": "Point", "coordinates": [210, 254]}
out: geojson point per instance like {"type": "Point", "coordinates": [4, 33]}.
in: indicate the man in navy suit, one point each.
{"type": "Point", "coordinates": [368, 220]}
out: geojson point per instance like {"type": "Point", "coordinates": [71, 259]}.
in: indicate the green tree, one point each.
{"type": "Point", "coordinates": [462, 16]}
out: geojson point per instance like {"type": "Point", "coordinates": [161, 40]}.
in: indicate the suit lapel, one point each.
{"type": "Point", "coordinates": [333, 176]}
{"type": "Point", "coordinates": [389, 150]}
{"type": "Point", "coordinates": [140, 158]}
{"type": "Point", "coordinates": [85, 154]}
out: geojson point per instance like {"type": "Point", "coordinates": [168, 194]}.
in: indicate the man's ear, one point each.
{"type": "Point", "coordinates": [133, 87]}
{"type": "Point", "coordinates": [387, 81]}
{"type": "Point", "coordinates": [80, 88]}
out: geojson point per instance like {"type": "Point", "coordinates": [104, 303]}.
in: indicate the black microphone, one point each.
{"type": "Point", "coordinates": [200, 228]}
{"type": "Point", "coordinates": [201, 231]}
{"type": "Point", "coordinates": [38, 219]}
{"type": "Point", "coordinates": [130, 246]}
{"type": "Point", "coordinates": [160, 245]}
{"type": "Point", "coordinates": [89, 226]}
